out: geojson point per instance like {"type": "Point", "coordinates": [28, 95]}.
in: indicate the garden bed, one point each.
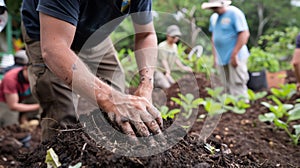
{"type": "Point", "coordinates": [243, 141]}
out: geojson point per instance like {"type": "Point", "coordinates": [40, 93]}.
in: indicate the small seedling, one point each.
{"type": "Point", "coordinates": [165, 113]}
{"type": "Point", "coordinates": [255, 96]}
{"type": "Point", "coordinates": [278, 113]}
{"type": "Point", "coordinates": [239, 105]}
{"type": "Point", "coordinates": [285, 92]}
{"type": "Point", "coordinates": [212, 107]}
{"type": "Point", "coordinates": [188, 103]}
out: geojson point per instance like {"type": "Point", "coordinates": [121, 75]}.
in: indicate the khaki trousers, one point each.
{"type": "Point", "coordinates": [7, 116]}
{"type": "Point", "coordinates": [57, 100]}
{"type": "Point", "coordinates": [235, 79]}
{"type": "Point", "coordinates": [161, 81]}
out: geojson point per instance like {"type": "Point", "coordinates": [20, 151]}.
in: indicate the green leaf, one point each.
{"type": "Point", "coordinates": [176, 100]}
{"type": "Point", "coordinates": [294, 114]}
{"type": "Point", "coordinates": [260, 95]}
{"type": "Point", "coordinates": [267, 117]}
{"type": "Point", "coordinates": [266, 104]}
{"type": "Point", "coordinates": [235, 110]}
{"type": "Point", "coordinates": [184, 98]}
{"type": "Point", "coordinates": [189, 97]}
{"type": "Point", "coordinates": [251, 95]}
{"type": "Point", "coordinates": [281, 124]}
{"type": "Point", "coordinates": [297, 129]}
{"type": "Point", "coordinates": [198, 102]}
{"type": "Point", "coordinates": [172, 113]}
{"type": "Point", "coordinates": [214, 108]}
{"type": "Point", "coordinates": [215, 92]}
{"type": "Point", "coordinates": [52, 159]}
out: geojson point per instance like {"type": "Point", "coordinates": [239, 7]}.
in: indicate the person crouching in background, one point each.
{"type": "Point", "coordinates": [17, 105]}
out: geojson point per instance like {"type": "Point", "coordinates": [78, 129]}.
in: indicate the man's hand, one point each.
{"type": "Point", "coordinates": [130, 113]}
{"type": "Point", "coordinates": [298, 86]}
{"type": "Point", "coordinates": [234, 61]}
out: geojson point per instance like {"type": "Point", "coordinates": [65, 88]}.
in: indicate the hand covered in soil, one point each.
{"type": "Point", "coordinates": [134, 115]}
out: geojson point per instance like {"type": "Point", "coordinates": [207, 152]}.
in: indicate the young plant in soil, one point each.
{"type": "Point", "coordinates": [281, 116]}
{"type": "Point", "coordinates": [285, 92]}
{"type": "Point", "coordinates": [224, 102]}
{"type": "Point", "coordinates": [213, 107]}
{"type": "Point", "coordinates": [256, 96]}
{"type": "Point", "coordinates": [166, 113]}
{"type": "Point", "coordinates": [188, 103]}
{"type": "Point", "coordinates": [238, 104]}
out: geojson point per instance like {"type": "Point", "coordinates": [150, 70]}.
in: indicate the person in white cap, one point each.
{"type": "Point", "coordinates": [230, 34]}
{"type": "Point", "coordinates": [167, 58]}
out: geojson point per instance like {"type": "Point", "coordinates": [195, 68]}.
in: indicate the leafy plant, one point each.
{"type": "Point", "coordinates": [188, 103]}
{"type": "Point", "coordinates": [220, 103]}
{"type": "Point", "coordinates": [281, 44]}
{"type": "Point", "coordinates": [239, 105]}
{"type": "Point", "coordinates": [280, 112]}
{"type": "Point", "coordinates": [213, 107]}
{"type": "Point", "coordinates": [255, 96]}
{"type": "Point", "coordinates": [279, 109]}
{"type": "Point", "coordinates": [214, 93]}
{"type": "Point", "coordinates": [165, 113]}
{"type": "Point", "coordinates": [260, 60]}
{"type": "Point", "coordinates": [284, 92]}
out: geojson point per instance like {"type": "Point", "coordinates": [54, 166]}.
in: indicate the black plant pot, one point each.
{"type": "Point", "coordinates": [257, 81]}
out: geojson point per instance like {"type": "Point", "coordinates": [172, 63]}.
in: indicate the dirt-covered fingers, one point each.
{"type": "Point", "coordinates": [141, 128]}
{"type": "Point", "coordinates": [156, 115]}
{"type": "Point", "coordinates": [151, 123]}
{"type": "Point", "coordinates": [154, 127]}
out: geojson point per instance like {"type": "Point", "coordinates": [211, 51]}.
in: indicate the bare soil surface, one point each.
{"type": "Point", "coordinates": [240, 140]}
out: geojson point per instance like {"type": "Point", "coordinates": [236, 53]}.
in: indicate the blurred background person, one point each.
{"type": "Point", "coordinates": [17, 105]}
{"type": "Point", "coordinates": [230, 34]}
{"type": "Point", "coordinates": [296, 61]}
{"type": "Point", "coordinates": [167, 58]}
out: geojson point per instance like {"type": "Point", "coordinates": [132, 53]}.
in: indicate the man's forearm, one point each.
{"type": "Point", "coordinates": [241, 41]}
{"type": "Point", "coordinates": [146, 55]}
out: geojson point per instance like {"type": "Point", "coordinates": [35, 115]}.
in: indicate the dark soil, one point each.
{"type": "Point", "coordinates": [240, 140]}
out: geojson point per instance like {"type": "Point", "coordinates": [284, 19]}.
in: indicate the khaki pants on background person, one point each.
{"type": "Point", "coordinates": [236, 79]}
{"type": "Point", "coordinates": [7, 116]}
{"type": "Point", "coordinates": [161, 81]}
{"type": "Point", "coordinates": [57, 100]}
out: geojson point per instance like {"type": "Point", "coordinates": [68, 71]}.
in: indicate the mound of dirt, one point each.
{"type": "Point", "coordinates": [237, 141]}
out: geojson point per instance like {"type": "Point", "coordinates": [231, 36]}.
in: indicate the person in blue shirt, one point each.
{"type": "Point", "coordinates": [230, 34]}
{"type": "Point", "coordinates": [70, 52]}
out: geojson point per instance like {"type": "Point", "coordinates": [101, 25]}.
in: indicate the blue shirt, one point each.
{"type": "Point", "coordinates": [225, 29]}
{"type": "Point", "coordinates": [89, 16]}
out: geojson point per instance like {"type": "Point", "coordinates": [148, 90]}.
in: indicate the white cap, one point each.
{"type": "Point", "coordinates": [215, 3]}
{"type": "Point", "coordinates": [21, 57]}
{"type": "Point", "coordinates": [2, 3]}
{"type": "Point", "coordinates": [173, 30]}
